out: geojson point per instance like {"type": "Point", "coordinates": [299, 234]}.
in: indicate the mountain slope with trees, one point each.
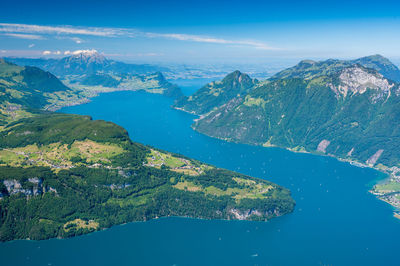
{"type": "Point", "coordinates": [333, 107]}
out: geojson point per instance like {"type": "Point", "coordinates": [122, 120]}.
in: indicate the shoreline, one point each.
{"type": "Point", "coordinates": [390, 172]}
{"type": "Point", "coordinates": [87, 96]}
{"type": "Point", "coordinates": [383, 168]}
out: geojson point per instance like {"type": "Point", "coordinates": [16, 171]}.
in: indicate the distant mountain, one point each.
{"type": "Point", "coordinates": [216, 93]}
{"type": "Point", "coordinates": [27, 87]}
{"type": "Point", "coordinates": [169, 89]}
{"type": "Point", "coordinates": [91, 72]}
{"type": "Point", "coordinates": [308, 69]}
{"type": "Point", "coordinates": [86, 63]}
{"type": "Point", "coordinates": [335, 107]}
{"type": "Point", "coordinates": [382, 65]}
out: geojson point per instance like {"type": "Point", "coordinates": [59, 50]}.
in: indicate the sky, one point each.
{"type": "Point", "coordinates": [201, 31]}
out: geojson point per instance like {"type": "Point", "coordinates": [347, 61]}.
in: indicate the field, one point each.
{"type": "Point", "coordinates": [179, 165]}
{"type": "Point", "coordinates": [60, 156]}
{"type": "Point", "coordinates": [81, 224]}
{"type": "Point", "coordinates": [392, 186]}
{"type": "Point", "coordinates": [250, 189]}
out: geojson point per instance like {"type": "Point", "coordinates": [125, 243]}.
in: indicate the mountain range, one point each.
{"type": "Point", "coordinates": [85, 62]}
{"type": "Point", "coordinates": [348, 109]}
{"type": "Point", "coordinates": [88, 73]}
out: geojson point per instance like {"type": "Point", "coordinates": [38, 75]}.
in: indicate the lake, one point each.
{"type": "Point", "coordinates": [336, 220]}
{"type": "Point", "coordinates": [189, 86]}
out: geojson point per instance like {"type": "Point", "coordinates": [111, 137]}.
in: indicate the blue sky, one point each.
{"type": "Point", "coordinates": [201, 31]}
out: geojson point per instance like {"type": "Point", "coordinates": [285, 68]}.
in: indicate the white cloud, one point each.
{"type": "Point", "coordinates": [92, 51]}
{"type": "Point", "coordinates": [74, 39]}
{"type": "Point", "coordinates": [93, 31]}
{"type": "Point", "coordinates": [77, 40]}
{"type": "Point", "coordinates": [31, 45]}
{"type": "Point", "coordinates": [34, 31]}
{"type": "Point", "coordinates": [206, 39]}
{"type": "Point", "coordinates": [47, 52]}
{"type": "Point", "coordinates": [24, 36]}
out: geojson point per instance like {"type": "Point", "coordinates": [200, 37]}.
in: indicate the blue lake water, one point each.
{"type": "Point", "coordinates": [336, 220]}
{"type": "Point", "coordinates": [189, 86]}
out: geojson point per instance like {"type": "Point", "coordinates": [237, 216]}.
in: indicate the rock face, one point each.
{"type": "Point", "coordinates": [355, 80]}
{"type": "Point", "coordinates": [336, 107]}
{"type": "Point", "coordinates": [372, 160]}
{"type": "Point", "coordinates": [244, 215]}
{"type": "Point", "coordinates": [34, 187]}
{"type": "Point", "coordinates": [323, 145]}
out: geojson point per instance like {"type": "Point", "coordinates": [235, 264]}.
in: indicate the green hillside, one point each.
{"type": "Point", "coordinates": [331, 107]}
{"type": "Point", "coordinates": [65, 175]}
{"type": "Point", "coordinates": [23, 89]}
{"type": "Point", "coordinates": [216, 93]}
{"type": "Point", "coordinates": [346, 109]}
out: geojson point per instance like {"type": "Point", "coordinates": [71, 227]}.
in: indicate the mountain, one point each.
{"type": "Point", "coordinates": [216, 93]}
{"type": "Point", "coordinates": [85, 62]}
{"type": "Point", "coordinates": [25, 88]}
{"type": "Point", "coordinates": [333, 107]}
{"type": "Point", "coordinates": [64, 175]}
{"type": "Point", "coordinates": [168, 89]}
{"type": "Point", "coordinates": [92, 73]}
{"type": "Point", "coordinates": [307, 69]}
{"type": "Point", "coordinates": [382, 65]}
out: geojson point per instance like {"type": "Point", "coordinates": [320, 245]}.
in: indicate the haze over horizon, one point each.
{"type": "Point", "coordinates": [206, 32]}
